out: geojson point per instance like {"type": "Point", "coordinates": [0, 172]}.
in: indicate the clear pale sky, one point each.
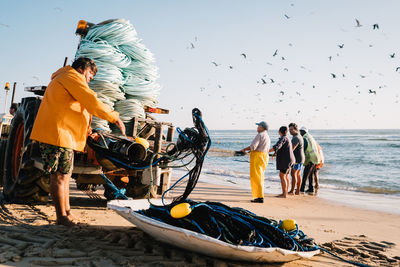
{"type": "Point", "coordinates": [37, 35]}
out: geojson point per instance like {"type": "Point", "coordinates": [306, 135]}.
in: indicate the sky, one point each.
{"type": "Point", "coordinates": [298, 83]}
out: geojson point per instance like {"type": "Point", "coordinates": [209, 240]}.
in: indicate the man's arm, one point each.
{"type": "Point", "coordinates": [278, 144]}
{"type": "Point", "coordinates": [246, 149]}
{"type": "Point", "coordinates": [253, 145]}
{"type": "Point", "coordinates": [79, 90]}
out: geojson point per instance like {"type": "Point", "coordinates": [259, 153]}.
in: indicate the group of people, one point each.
{"type": "Point", "coordinates": [291, 156]}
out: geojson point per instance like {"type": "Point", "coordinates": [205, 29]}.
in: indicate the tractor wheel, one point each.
{"type": "Point", "coordinates": [22, 181]}
{"type": "Point", "coordinates": [3, 144]}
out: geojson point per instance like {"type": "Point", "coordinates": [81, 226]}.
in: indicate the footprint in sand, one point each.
{"type": "Point", "coordinates": [362, 249]}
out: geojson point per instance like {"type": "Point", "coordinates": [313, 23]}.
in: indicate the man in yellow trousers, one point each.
{"type": "Point", "coordinates": [258, 161]}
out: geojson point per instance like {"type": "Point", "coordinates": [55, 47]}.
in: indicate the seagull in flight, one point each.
{"type": "Point", "coordinates": [375, 26]}
{"type": "Point", "coordinates": [392, 55]}
{"type": "Point", "coordinates": [333, 75]}
{"type": "Point", "coordinates": [216, 65]}
{"type": "Point", "coordinates": [244, 55]}
{"type": "Point", "coordinates": [275, 53]}
{"type": "Point", "coordinates": [358, 23]}
{"type": "Point", "coordinates": [341, 46]}
{"type": "Point", "coordinates": [287, 17]}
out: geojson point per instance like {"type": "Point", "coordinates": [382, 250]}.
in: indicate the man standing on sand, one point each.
{"type": "Point", "coordinates": [298, 151]}
{"type": "Point", "coordinates": [258, 161]}
{"type": "Point", "coordinates": [284, 159]}
{"type": "Point", "coordinates": [62, 125]}
{"type": "Point", "coordinates": [311, 160]}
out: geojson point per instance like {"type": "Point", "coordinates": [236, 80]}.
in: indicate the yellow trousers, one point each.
{"type": "Point", "coordinates": [258, 163]}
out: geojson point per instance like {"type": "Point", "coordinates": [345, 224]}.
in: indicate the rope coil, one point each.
{"type": "Point", "coordinates": [126, 76]}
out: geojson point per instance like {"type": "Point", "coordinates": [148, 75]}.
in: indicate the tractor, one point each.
{"type": "Point", "coordinates": [21, 169]}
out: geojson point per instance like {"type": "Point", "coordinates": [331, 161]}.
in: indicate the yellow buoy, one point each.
{"type": "Point", "coordinates": [143, 142]}
{"type": "Point", "coordinates": [181, 210]}
{"type": "Point", "coordinates": [289, 225]}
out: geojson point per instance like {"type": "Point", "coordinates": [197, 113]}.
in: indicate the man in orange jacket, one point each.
{"type": "Point", "coordinates": [62, 125]}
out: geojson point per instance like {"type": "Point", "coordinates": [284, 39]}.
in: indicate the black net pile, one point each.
{"type": "Point", "coordinates": [234, 226]}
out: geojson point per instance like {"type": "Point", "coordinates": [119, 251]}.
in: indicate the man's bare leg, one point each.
{"type": "Point", "coordinates": [67, 205]}
{"type": "Point", "coordinates": [298, 172]}
{"type": "Point", "coordinates": [293, 174]}
{"type": "Point", "coordinates": [284, 184]}
{"type": "Point", "coordinates": [316, 178]}
{"type": "Point", "coordinates": [57, 191]}
{"type": "Point", "coordinates": [287, 182]}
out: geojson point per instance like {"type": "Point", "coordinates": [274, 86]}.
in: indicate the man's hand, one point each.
{"type": "Point", "coordinates": [121, 126]}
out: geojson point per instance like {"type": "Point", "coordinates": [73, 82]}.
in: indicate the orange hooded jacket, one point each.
{"type": "Point", "coordinates": [64, 116]}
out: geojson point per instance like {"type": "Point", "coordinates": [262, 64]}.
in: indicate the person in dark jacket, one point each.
{"type": "Point", "coordinates": [284, 159]}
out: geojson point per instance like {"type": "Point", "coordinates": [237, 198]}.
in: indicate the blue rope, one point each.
{"type": "Point", "coordinates": [171, 187]}
{"type": "Point", "coordinates": [118, 193]}
{"type": "Point", "coordinates": [184, 136]}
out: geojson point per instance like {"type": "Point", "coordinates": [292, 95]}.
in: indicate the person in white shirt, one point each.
{"type": "Point", "coordinates": [258, 161]}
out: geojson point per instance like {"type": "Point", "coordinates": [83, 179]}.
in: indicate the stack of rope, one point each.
{"type": "Point", "coordinates": [126, 76]}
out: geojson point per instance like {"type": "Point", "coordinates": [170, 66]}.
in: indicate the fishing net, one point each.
{"type": "Point", "coordinates": [126, 76]}
{"type": "Point", "coordinates": [235, 226]}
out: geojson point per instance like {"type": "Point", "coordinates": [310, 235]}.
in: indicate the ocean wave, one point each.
{"type": "Point", "coordinates": [348, 186]}
{"type": "Point", "coordinates": [376, 190]}
{"type": "Point", "coordinates": [229, 173]}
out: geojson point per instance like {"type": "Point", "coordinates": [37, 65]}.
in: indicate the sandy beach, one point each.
{"type": "Point", "coordinates": [30, 238]}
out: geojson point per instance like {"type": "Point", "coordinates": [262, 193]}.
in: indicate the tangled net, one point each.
{"type": "Point", "coordinates": [126, 76]}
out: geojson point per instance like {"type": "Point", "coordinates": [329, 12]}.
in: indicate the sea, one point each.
{"type": "Point", "coordinates": [362, 167]}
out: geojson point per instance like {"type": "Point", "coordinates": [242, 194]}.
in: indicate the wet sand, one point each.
{"type": "Point", "coordinates": [28, 236]}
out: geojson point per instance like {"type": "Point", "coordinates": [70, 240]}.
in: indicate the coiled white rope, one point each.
{"type": "Point", "coordinates": [126, 76]}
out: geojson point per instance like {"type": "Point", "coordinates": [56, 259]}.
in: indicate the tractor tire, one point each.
{"type": "Point", "coordinates": [3, 144]}
{"type": "Point", "coordinates": [22, 181]}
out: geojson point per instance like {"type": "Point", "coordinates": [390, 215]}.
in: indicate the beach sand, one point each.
{"type": "Point", "coordinates": [28, 236]}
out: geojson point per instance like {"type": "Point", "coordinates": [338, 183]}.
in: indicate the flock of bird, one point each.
{"type": "Point", "coordinates": [276, 54]}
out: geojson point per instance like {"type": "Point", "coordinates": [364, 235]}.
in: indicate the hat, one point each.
{"type": "Point", "coordinates": [263, 124]}
{"type": "Point", "coordinates": [304, 129]}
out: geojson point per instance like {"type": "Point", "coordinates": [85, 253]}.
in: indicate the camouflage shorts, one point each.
{"type": "Point", "coordinates": [55, 158]}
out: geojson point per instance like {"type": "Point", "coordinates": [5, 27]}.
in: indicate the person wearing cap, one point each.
{"type": "Point", "coordinates": [284, 159]}
{"type": "Point", "coordinates": [258, 161]}
{"type": "Point", "coordinates": [311, 160]}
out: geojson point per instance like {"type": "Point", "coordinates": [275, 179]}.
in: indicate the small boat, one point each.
{"type": "Point", "coordinates": [197, 242]}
